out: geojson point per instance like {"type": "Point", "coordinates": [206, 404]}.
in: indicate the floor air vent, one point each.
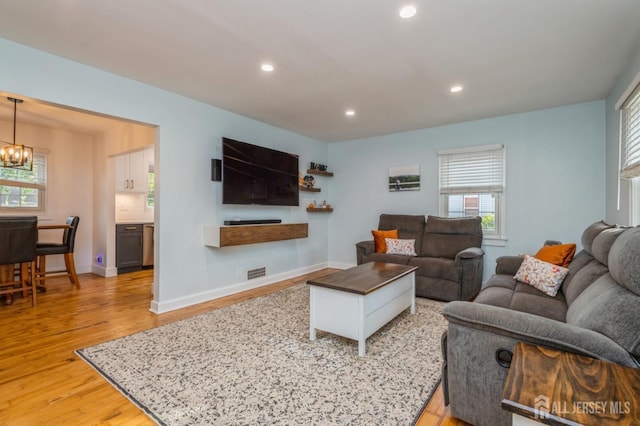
{"type": "Point", "coordinates": [256, 273]}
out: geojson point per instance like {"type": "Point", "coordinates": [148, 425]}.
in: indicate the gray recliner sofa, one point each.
{"type": "Point", "coordinates": [595, 313]}
{"type": "Point", "coordinates": [449, 257]}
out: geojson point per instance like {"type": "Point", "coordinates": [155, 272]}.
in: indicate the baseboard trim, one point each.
{"type": "Point", "coordinates": [341, 265]}
{"type": "Point", "coordinates": [103, 271]}
{"type": "Point", "coordinates": [194, 299]}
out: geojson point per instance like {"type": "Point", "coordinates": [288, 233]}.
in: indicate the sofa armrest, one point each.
{"type": "Point", "coordinates": [469, 253]}
{"type": "Point", "coordinates": [364, 248]}
{"type": "Point", "coordinates": [470, 263]}
{"type": "Point", "coordinates": [508, 265]}
{"type": "Point", "coordinates": [536, 330]}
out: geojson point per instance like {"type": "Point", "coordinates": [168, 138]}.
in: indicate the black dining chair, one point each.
{"type": "Point", "coordinates": [44, 249]}
{"type": "Point", "coordinates": [18, 235]}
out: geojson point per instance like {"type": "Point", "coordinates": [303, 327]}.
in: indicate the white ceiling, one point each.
{"type": "Point", "coordinates": [510, 55]}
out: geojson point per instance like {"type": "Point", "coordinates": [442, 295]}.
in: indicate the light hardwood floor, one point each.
{"type": "Point", "coordinates": [43, 382]}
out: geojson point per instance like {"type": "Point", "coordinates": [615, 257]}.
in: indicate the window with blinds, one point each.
{"type": "Point", "coordinates": [630, 136]}
{"type": "Point", "coordinates": [24, 190]}
{"type": "Point", "coordinates": [472, 182]}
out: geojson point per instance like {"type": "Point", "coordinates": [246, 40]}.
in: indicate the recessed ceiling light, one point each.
{"type": "Point", "coordinates": [408, 12]}
{"type": "Point", "coordinates": [455, 89]}
{"type": "Point", "coordinates": [266, 67]}
{"type": "Point", "coordinates": [349, 113]}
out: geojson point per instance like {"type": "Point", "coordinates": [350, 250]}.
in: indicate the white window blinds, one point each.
{"type": "Point", "coordinates": [630, 136]}
{"type": "Point", "coordinates": [472, 170]}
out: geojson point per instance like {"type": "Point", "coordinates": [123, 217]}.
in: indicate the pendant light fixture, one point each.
{"type": "Point", "coordinates": [12, 155]}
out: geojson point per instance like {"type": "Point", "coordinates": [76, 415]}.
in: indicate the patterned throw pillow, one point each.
{"type": "Point", "coordinates": [406, 247]}
{"type": "Point", "coordinates": [544, 276]}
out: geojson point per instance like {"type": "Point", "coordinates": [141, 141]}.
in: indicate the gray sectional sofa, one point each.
{"type": "Point", "coordinates": [449, 256]}
{"type": "Point", "coordinates": [595, 313]}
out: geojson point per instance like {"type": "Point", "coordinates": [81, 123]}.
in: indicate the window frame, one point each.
{"type": "Point", "coordinates": [630, 135]}
{"type": "Point", "coordinates": [493, 183]}
{"type": "Point", "coordinates": [39, 156]}
{"type": "Point", "coordinates": [630, 170]}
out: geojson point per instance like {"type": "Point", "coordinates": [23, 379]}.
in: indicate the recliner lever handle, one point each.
{"type": "Point", "coordinates": [504, 357]}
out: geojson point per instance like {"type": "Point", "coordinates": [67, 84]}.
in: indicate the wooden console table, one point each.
{"type": "Point", "coordinates": [546, 386]}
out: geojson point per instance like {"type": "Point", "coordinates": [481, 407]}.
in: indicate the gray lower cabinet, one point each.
{"type": "Point", "coordinates": [129, 247]}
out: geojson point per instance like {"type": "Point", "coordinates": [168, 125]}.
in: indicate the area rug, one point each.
{"type": "Point", "coordinates": [252, 363]}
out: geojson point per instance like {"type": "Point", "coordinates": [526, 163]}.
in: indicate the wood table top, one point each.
{"type": "Point", "coordinates": [560, 388]}
{"type": "Point", "coordinates": [61, 226]}
{"type": "Point", "coordinates": [363, 279]}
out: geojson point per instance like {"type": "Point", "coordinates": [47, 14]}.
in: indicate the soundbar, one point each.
{"type": "Point", "coordinates": [251, 221]}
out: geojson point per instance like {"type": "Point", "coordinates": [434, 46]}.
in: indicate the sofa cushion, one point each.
{"type": "Point", "coordinates": [505, 292]}
{"type": "Point", "coordinates": [579, 261]}
{"type": "Point", "coordinates": [387, 258]}
{"type": "Point", "coordinates": [379, 239]}
{"type": "Point", "coordinates": [410, 227]}
{"type": "Point", "coordinates": [525, 300]}
{"type": "Point", "coordinates": [558, 254]}
{"type": "Point", "coordinates": [544, 276]}
{"type": "Point", "coordinates": [582, 279]}
{"type": "Point", "coordinates": [445, 237]}
{"type": "Point", "coordinates": [591, 233]}
{"type": "Point", "coordinates": [624, 260]}
{"type": "Point", "coordinates": [602, 244]}
{"type": "Point", "coordinates": [498, 295]}
{"type": "Point", "coordinates": [610, 309]}
{"type": "Point", "coordinates": [436, 267]}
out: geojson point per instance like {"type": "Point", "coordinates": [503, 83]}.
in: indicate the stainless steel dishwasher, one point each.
{"type": "Point", "coordinates": [147, 245]}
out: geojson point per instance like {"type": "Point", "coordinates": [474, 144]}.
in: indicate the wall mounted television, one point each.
{"type": "Point", "coordinates": [254, 174]}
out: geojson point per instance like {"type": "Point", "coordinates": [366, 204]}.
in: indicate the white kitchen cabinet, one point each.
{"type": "Point", "coordinates": [131, 172]}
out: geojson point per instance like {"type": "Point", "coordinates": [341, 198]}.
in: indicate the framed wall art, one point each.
{"type": "Point", "coordinates": [404, 178]}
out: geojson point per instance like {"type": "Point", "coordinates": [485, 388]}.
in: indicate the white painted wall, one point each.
{"type": "Point", "coordinates": [555, 177]}
{"type": "Point", "coordinates": [618, 212]}
{"type": "Point", "coordinates": [187, 138]}
{"type": "Point", "coordinates": [70, 166]}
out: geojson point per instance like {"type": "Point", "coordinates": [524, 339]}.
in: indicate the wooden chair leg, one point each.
{"type": "Point", "coordinates": [31, 268]}
{"type": "Point", "coordinates": [42, 269]}
{"type": "Point", "coordinates": [24, 274]}
{"type": "Point", "coordinates": [71, 269]}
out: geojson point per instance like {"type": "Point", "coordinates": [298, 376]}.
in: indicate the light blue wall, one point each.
{"type": "Point", "coordinates": [618, 213]}
{"type": "Point", "coordinates": [188, 137]}
{"type": "Point", "coordinates": [555, 177]}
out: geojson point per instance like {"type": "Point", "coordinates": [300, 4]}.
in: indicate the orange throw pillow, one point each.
{"type": "Point", "coordinates": [559, 254]}
{"type": "Point", "coordinates": [379, 236]}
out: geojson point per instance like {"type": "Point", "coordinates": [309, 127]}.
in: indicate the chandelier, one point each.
{"type": "Point", "coordinates": [13, 155]}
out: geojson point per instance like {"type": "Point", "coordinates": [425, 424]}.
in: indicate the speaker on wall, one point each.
{"type": "Point", "coordinates": [216, 170]}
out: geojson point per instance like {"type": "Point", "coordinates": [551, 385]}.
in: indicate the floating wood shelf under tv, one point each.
{"type": "Point", "coordinates": [226, 236]}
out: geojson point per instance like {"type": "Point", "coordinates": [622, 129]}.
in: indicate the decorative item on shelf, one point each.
{"type": "Point", "coordinates": [16, 156]}
{"type": "Point", "coordinates": [318, 166]}
{"type": "Point", "coordinates": [323, 207]}
{"type": "Point", "coordinates": [309, 181]}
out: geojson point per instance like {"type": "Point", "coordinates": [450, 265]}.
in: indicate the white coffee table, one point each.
{"type": "Point", "coordinates": [357, 302]}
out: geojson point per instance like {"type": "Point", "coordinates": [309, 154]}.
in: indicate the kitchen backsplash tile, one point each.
{"type": "Point", "coordinates": [133, 208]}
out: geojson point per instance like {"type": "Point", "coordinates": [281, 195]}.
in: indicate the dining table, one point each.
{"type": "Point", "coordinates": [7, 271]}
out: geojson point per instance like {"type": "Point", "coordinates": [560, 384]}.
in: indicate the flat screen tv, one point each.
{"type": "Point", "coordinates": [254, 174]}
